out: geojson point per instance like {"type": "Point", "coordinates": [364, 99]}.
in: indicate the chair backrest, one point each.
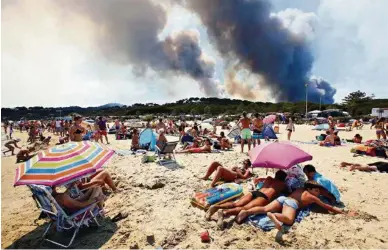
{"type": "Point", "coordinates": [47, 203]}
{"type": "Point", "coordinates": [169, 147]}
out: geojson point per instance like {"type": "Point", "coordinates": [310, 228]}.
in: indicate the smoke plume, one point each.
{"type": "Point", "coordinates": [246, 30]}
{"type": "Point", "coordinates": [128, 34]}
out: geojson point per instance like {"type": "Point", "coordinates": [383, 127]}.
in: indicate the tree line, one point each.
{"type": "Point", "coordinates": [356, 103]}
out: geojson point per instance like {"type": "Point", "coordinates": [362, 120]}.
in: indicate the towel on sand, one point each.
{"type": "Point", "coordinates": [263, 222]}
{"type": "Point", "coordinates": [326, 183]}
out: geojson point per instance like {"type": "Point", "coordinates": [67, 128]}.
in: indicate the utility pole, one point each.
{"type": "Point", "coordinates": [320, 100]}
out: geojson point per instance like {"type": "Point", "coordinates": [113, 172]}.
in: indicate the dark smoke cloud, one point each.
{"type": "Point", "coordinates": [128, 34]}
{"type": "Point", "coordinates": [246, 30]}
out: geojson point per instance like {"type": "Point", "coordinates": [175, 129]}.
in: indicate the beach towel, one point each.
{"type": "Point", "coordinates": [306, 142]}
{"type": "Point", "coordinates": [328, 185]}
{"type": "Point", "coordinates": [263, 222]}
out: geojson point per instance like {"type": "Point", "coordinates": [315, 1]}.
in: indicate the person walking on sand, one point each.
{"type": "Point", "coordinates": [257, 129]}
{"type": "Point", "coordinates": [103, 129]}
{"type": "Point", "coordinates": [290, 128]}
{"type": "Point", "coordinates": [245, 131]}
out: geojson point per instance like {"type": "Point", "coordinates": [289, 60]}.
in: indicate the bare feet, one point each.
{"type": "Point", "coordinates": [343, 164]}
{"type": "Point", "coordinates": [241, 216]}
{"type": "Point", "coordinates": [220, 221]}
{"type": "Point", "coordinates": [277, 223]}
{"type": "Point", "coordinates": [352, 168]}
{"type": "Point", "coordinates": [210, 212]}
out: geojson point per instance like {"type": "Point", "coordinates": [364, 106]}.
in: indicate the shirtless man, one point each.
{"type": "Point", "coordinates": [11, 148]}
{"type": "Point", "coordinates": [135, 140]}
{"type": "Point", "coordinates": [228, 174]}
{"type": "Point", "coordinates": [76, 131]}
{"type": "Point", "coordinates": [161, 125]}
{"type": "Point", "coordinates": [245, 131]}
{"type": "Point", "coordinates": [283, 209]}
{"type": "Point", "coordinates": [24, 154]}
{"type": "Point", "coordinates": [257, 129]}
{"type": "Point", "coordinates": [271, 189]}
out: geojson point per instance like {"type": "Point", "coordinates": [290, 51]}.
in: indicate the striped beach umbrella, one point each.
{"type": "Point", "coordinates": [63, 163]}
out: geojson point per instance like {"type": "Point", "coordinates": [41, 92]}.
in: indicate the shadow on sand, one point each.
{"type": "Point", "coordinates": [92, 237]}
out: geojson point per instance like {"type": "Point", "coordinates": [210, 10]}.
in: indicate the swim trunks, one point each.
{"type": "Point", "coordinates": [287, 201]}
{"type": "Point", "coordinates": [246, 134]}
{"type": "Point", "coordinates": [381, 166]}
{"type": "Point", "coordinates": [257, 194]}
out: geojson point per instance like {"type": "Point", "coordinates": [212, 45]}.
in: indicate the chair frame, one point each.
{"type": "Point", "coordinates": [59, 215]}
{"type": "Point", "coordinates": [160, 152]}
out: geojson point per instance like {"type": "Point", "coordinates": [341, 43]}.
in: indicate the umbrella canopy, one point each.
{"type": "Point", "coordinates": [269, 119]}
{"type": "Point", "coordinates": [281, 155]}
{"type": "Point", "coordinates": [63, 163]}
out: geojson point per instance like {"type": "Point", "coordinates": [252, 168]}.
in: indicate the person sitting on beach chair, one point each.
{"type": "Point", "coordinates": [72, 205]}
{"type": "Point", "coordinates": [284, 209]}
{"type": "Point", "coordinates": [271, 189]}
{"type": "Point", "coordinates": [100, 178]}
{"type": "Point", "coordinates": [24, 155]}
{"type": "Point", "coordinates": [206, 148]}
{"type": "Point", "coordinates": [226, 174]}
{"type": "Point", "coordinates": [11, 145]}
{"type": "Point", "coordinates": [371, 167]}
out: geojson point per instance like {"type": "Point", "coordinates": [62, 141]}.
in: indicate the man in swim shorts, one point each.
{"type": "Point", "coordinates": [371, 167]}
{"type": "Point", "coordinates": [245, 131]}
{"type": "Point", "coordinates": [257, 129]}
{"type": "Point", "coordinates": [283, 210]}
{"type": "Point", "coordinates": [270, 189]}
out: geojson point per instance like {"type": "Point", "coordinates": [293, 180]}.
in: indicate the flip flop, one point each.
{"type": "Point", "coordinates": [120, 216]}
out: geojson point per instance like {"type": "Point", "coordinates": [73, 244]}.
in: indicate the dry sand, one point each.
{"type": "Point", "coordinates": [158, 201]}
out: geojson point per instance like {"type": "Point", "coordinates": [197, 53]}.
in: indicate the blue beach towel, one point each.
{"type": "Point", "coordinates": [263, 222]}
{"type": "Point", "coordinates": [326, 183]}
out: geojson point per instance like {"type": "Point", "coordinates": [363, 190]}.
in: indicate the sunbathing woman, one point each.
{"type": "Point", "coordinates": [371, 167]}
{"type": "Point", "coordinates": [100, 178]}
{"type": "Point", "coordinates": [207, 148]}
{"type": "Point", "coordinates": [228, 175]}
{"type": "Point", "coordinates": [72, 205]}
{"type": "Point", "coordinates": [271, 189]}
{"type": "Point", "coordinates": [76, 131]}
{"type": "Point", "coordinates": [329, 140]}
{"type": "Point", "coordinates": [283, 209]}
{"type": "Point", "coordinates": [224, 142]}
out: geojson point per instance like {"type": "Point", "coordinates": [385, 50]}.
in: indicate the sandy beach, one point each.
{"type": "Point", "coordinates": [157, 199]}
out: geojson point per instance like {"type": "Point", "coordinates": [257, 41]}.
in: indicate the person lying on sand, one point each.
{"type": "Point", "coordinates": [207, 148]}
{"type": "Point", "coordinates": [271, 189]}
{"type": "Point", "coordinates": [72, 205]}
{"type": "Point", "coordinates": [11, 145]}
{"type": "Point", "coordinates": [371, 167]}
{"type": "Point", "coordinates": [356, 139]}
{"type": "Point", "coordinates": [284, 209]}
{"type": "Point", "coordinates": [24, 155]}
{"type": "Point", "coordinates": [228, 175]}
{"type": "Point", "coordinates": [100, 178]}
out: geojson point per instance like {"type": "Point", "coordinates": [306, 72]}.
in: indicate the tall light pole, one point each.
{"type": "Point", "coordinates": [306, 99]}
{"type": "Point", "coordinates": [320, 101]}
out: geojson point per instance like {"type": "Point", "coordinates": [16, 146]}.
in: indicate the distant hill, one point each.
{"type": "Point", "coordinates": [110, 105]}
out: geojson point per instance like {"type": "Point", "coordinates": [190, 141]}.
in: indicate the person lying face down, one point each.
{"type": "Point", "coordinates": [371, 167]}
{"type": "Point", "coordinates": [283, 210]}
{"type": "Point", "coordinates": [226, 174]}
{"type": "Point", "coordinates": [271, 188]}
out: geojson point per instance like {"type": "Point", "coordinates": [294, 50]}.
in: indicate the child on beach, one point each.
{"type": "Point", "coordinates": [135, 140]}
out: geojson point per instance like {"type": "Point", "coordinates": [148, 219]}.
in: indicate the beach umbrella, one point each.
{"type": "Point", "coordinates": [269, 119]}
{"type": "Point", "coordinates": [63, 163]}
{"type": "Point", "coordinates": [235, 131]}
{"type": "Point", "coordinates": [280, 155]}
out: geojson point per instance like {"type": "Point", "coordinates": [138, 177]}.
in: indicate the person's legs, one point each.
{"type": "Point", "coordinates": [106, 178]}
{"type": "Point", "coordinates": [213, 167]}
{"type": "Point", "coordinates": [274, 206]}
{"type": "Point", "coordinates": [364, 168]}
{"type": "Point", "coordinates": [96, 192]}
{"type": "Point", "coordinates": [223, 173]}
{"type": "Point", "coordinates": [249, 144]}
{"type": "Point", "coordinates": [229, 205]}
{"type": "Point", "coordinates": [242, 144]}
{"type": "Point", "coordinates": [287, 216]}
{"type": "Point", "coordinates": [258, 202]}
{"type": "Point", "coordinates": [289, 135]}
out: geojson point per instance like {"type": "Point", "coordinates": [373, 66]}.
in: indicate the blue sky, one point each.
{"type": "Point", "coordinates": [50, 62]}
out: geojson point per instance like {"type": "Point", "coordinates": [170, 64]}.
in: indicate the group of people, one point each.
{"type": "Point", "coordinates": [273, 198]}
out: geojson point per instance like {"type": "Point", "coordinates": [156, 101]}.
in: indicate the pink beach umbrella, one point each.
{"type": "Point", "coordinates": [280, 155]}
{"type": "Point", "coordinates": [269, 119]}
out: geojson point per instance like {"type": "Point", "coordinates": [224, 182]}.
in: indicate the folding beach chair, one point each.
{"type": "Point", "coordinates": [168, 148]}
{"type": "Point", "coordinates": [64, 221]}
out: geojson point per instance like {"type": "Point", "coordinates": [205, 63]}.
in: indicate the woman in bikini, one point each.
{"type": "Point", "coordinates": [380, 129]}
{"type": "Point", "coordinates": [207, 148]}
{"type": "Point", "coordinates": [77, 131]}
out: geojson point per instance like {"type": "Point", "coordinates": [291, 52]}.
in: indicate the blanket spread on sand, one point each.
{"type": "Point", "coordinates": [263, 222]}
